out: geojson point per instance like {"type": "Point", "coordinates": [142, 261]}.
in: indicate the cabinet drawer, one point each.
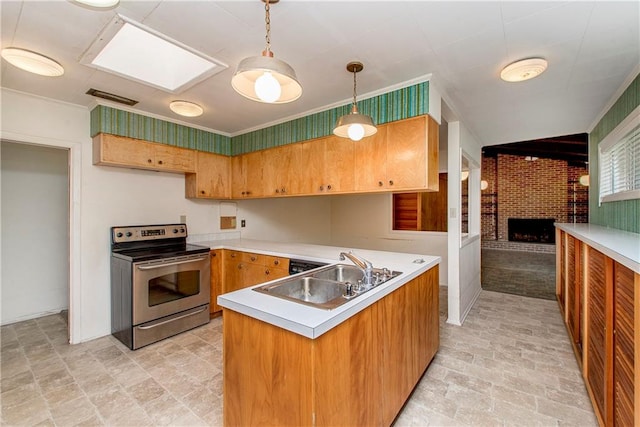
{"type": "Point", "coordinates": [252, 258]}
{"type": "Point", "coordinates": [276, 262]}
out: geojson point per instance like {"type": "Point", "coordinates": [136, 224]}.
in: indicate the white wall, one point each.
{"type": "Point", "coordinates": [463, 253]}
{"type": "Point", "coordinates": [293, 219]}
{"type": "Point", "coordinates": [364, 221]}
{"type": "Point", "coordinates": [104, 197]}
{"type": "Point", "coordinates": [35, 225]}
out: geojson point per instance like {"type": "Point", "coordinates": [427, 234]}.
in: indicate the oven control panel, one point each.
{"type": "Point", "coordinates": [139, 233]}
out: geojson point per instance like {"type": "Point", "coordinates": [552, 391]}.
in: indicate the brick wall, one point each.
{"type": "Point", "coordinates": [518, 188]}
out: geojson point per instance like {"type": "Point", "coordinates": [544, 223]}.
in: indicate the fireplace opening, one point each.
{"type": "Point", "coordinates": [532, 230]}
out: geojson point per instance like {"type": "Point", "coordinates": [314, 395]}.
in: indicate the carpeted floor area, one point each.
{"type": "Point", "coordinates": [527, 274]}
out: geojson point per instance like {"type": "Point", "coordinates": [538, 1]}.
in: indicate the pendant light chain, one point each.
{"type": "Point", "coordinates": [267, 20]}
{"type": "Point", "coordinates": [354, 88]}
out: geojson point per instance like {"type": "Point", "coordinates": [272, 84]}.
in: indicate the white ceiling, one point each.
{"type": "Point", "coordinates": [592, 48]}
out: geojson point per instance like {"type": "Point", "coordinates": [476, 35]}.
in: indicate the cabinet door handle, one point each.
{"type": "Point", "coordinates": [159, 162]}
{"type": "Point", "coordinates": [283, 190]}
{"type": "Point", "coordinates": [233, 255]}
{"type": "Point", "coordinates": [240, 266]}
{"type": "Point", "coordinates": [253, 258]}
{"type": "Point", "coordinates": [322, 188]}
{"type": "Point", "coordinates": [202, 191]}
{"type": "Point", "coordinates": [380, 184]}
{"type": "Point", "coordinates": [276, 262]}
{"type": "Point", "coordinates": [267, 272]}
{"type": "Point", "coordinates": [277, 190]}
{"type": "Point", "coordinates": [149, 161]}
{"type": "Point", "coordinates": [329, 187]}
{"type": "Point", "coordinates": [390, 182]}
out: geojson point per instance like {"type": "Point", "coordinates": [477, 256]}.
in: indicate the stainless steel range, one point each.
{"type": "Point", "coordinates": [160, 284]}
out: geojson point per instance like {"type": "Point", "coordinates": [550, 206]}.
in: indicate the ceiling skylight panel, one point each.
{"type": "Point", "coordinates": [133, 51]}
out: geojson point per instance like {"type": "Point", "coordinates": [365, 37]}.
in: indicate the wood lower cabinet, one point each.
{"type": "Point", "coordinates": [114, 150]}
{"type": "Point", "coordinates": [242, 269]}
{"type": "Point", "coordinates": [359, 373]}
{"type": "Point", "coordinates": [600, 304]}
{"type": "Point", "coordinates": [597, 340]}
{"type": "Point", "coordinates": [216, 280]}
{"type": "Point", "coordinates": [212, 178]}
{"type": "Point", "coordinates": [625, 379]}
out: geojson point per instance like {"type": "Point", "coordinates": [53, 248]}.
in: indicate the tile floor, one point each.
{"type": "Point", "coordinates": [528, 274]}
{"type": "Point", "coordinates": [511, 364]}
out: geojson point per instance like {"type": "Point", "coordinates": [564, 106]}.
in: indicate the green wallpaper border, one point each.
{"type": "Point", "coordinates": [625, 214]}
{"type": "Point", "coordinates": [124, 123]}
{"type": "Point", "coordinates": [399, 104]}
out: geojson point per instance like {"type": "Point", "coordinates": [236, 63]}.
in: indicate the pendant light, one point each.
{"type": "Point", "coordinates": [354, 125]}
{"type": "Point", "coordinates": [265, 78]}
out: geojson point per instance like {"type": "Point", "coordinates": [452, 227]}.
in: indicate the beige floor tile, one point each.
{"type": "Point", "coordinates": [510, 364]}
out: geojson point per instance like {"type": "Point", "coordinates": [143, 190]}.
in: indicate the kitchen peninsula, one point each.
{"type": "Point", "coordinates": [287, 363]}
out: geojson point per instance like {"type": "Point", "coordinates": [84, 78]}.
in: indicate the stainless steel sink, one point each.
{"type": "Point", "coordinates": [325, 288]}
{"type": "Point", "coordinates": [340, 273]}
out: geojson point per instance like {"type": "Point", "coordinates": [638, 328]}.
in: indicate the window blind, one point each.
{"type": "Point", "coordinates": [620, 167]}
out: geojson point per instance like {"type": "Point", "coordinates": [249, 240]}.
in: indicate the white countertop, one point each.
{"type": "Point", "coordinates": [621, 246]}
{"type": "Point", "coordinates": [306, 320]}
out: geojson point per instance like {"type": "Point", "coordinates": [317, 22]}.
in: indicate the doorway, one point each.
{"type": "Point", "coordinates": [35, 221]}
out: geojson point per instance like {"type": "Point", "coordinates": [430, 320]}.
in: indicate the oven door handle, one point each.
{"type": "Point", "coordinates": [168, 264]}
{"type": "Point", "coordinates": [172, 319]}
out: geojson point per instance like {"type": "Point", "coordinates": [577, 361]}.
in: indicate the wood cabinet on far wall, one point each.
{"type": "Point", "coordinates": [114, 150]}
{"type": "Point", "coordinates": [401, 156]}
{"type": "Point", "coordinates": [600, 302]}
{"type": "Point", "coordinates": [211, 179]}
{"type": "Point", "coordinates": [246, 175]}
{"type": "Point", "coordinates": [328, 166]}
{"type": "Point", "coordinates": [280, 170]}
{"type": "Point", "coordinates": [242, 269]}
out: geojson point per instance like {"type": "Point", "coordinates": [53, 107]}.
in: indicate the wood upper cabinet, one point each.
{"type": "Point", "coordinates": [211, 179]}
{"type": "Point", "coordinates": [401, 156]}
{"type": "Point", "coordinates": [114, 150]}
{"type": "Point", "coordinates": [327, 166]}
{"type": "Point", "coordinates": [246, 175]}
{"type": "Point", "coordinates": [280, 169]}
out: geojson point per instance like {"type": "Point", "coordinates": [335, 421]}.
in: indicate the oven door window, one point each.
{"type": "Point", "coordinates": [173, 286]}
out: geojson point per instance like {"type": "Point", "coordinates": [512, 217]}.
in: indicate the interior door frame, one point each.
{"type": "Point", "coordinates": [75, 169]}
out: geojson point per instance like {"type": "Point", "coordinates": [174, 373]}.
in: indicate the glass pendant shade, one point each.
{"type": "Point", "coordinates": [266, 79]}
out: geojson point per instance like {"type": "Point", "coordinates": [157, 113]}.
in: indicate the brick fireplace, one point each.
{"type": "Point", "coordinates": [542, 189]}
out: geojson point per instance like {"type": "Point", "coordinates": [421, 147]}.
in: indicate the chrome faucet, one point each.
{"type": "Point", "coordinates": [362, 264]}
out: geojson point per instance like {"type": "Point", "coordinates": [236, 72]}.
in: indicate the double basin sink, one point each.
{"type": "Point", "coordinates": [326, 287]}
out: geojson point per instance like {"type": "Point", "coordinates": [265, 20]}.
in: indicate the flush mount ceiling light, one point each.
{"type": "Point", "coordinates": [265, 78]}
{"type": "Point", "coordinates": [99, 4]}
{"type": "Point", "coordinates": [32, 62]}
{"type": "Point", "coordinates": [354, 125]}
{"type": "Point", "coordinates": [134, 51]}
{"type": "Point", "coordinates": [186, 108]}
{"type": "Point", "coordinates": [524, 69]}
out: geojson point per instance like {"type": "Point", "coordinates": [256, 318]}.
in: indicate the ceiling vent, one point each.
{"type": "Point", "coordinates": [111, 97]}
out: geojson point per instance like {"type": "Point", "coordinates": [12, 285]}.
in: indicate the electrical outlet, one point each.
{"type": "Point", "coordinates": [243, 223]}
{"type": "Point", "coordinates": [183, 219]}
